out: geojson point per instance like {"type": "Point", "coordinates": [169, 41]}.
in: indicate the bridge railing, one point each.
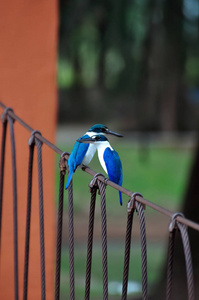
{"type": "Point", "coordinates": [98, 183]}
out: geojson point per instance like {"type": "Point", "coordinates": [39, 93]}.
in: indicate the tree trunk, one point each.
{"type": "Point", "coordinates": [163, 64]}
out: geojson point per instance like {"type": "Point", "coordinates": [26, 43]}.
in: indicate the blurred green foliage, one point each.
{"type": "Point", "coordinates": [117, 57]}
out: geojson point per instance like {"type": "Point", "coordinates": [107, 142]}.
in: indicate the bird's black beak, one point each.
{"type": "Point", "coordinates": [114, 133]}
{"type": "Point", "coordinates": [85, 140]}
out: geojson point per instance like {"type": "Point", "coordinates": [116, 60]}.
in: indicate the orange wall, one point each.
{"type": "Point", "coordinates": [28, 46]}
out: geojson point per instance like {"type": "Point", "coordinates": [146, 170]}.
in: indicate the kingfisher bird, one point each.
{"type": "Point", "coordinates": [83, 153]}
{"type": "Point", "coordinates": [108, 158]}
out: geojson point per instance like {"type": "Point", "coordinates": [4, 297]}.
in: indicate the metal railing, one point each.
{"type": "Point", "coordinates": [98, 182]}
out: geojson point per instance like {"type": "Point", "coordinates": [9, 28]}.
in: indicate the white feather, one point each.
{"type": "Point", "coordinates": [89, 154]}
{"type": "Point", "coordinates": [101, 147]}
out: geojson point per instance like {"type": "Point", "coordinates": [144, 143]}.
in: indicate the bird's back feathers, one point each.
{"type": "Point", "coordinates": [114, 167]}
{"type": "Point", "coordinates": [75, 159]}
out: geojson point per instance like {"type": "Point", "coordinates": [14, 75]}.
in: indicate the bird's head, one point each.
{"type": "Point", "coordinates": [102, 129]}
{"type": "Point", "coordinates": [93, 139]}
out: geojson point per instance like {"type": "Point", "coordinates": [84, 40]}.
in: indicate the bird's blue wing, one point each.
{"type": "Point", "coordinates": [78, 153]}
{"type": "Point", "coordinates": [75, 159]}
{"type": "Point", "coordinates": [114, 167]}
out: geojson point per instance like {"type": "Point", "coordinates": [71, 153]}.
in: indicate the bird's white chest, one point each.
{"type": "Point", "coordinates": [89, 154]}
{"type": "Point", "coordinates": [102, 162]}
{"type": "Point", "coordinates": [101, 148]}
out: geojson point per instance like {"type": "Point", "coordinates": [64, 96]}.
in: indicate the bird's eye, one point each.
{"type": "Point", "coordinates": [97, 138]}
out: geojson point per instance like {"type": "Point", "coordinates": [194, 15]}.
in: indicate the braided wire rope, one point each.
{"type": "Point", "coordinates": [132, 204]}
{"type": "Point", "coordinates": [188, 260]}
{"type": "Point", "coordinates": [28, 220]}
{"type": "Point", "coordinates": [71, 241]}
{"type": "Point", "coordinates": [59, 228]}
{"type": "Point", "coordinates": [101, 178]}
{"type": "Point", "coordinates": [187, 253]}
{"type": "Point", "coordinates": [140, 211]}
{"type": "Point", "coordinates": [170, 263]}
{"type": "Point", "coordinates": [181, 221]}
{"type": "Point", "coordinates": [15, 224]}
{"type": "Point", "coordinates": [102, 188]}
{"type": "Point", "coordinates": [41, 218]}
{"type": "Point", "coordinates": [127, 254]}
{"type": "Point", "coordinates": [3, 142]}
{"type": "Point", "coordinates": [90, 242]}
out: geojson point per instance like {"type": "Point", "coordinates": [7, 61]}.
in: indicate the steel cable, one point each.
{"type": "Point", "coordinates": [140, 211]}
{"type": "Point", "coordinates": [101, 178]}
{"type": "Point", "coordinates": [71, 241]}
{"type": "Point", "coordinates": [59, 228]}
{"type": "Point", "coordinates": [181, 222]}
{"type": "Point", "coordinates": [127, 254]}
{"type": "Point", "coordinates": [90, 242]}
{"type": "Point", "coordinates": [187, 253]}
{"type": "Point", "coordinates": [59, 238]}
{"type": "Point", "coordinates": [3, 142]}
{"type": "Point", "coordinates": [41, 218]}
{"type": "Point", "coordinates": [15, 223]}
{"type": "Point", "coordinates": [132, 204]}
{"type": "Point", "coordinates": [188, 260]}
{"type": "Point", "coordinates": [28, 220]}
{"type": "Point", "coordinates": [102, 187]}
{"type": "Point", "coordinates": [170, 263]}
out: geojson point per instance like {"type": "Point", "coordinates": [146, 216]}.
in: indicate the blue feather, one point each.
{"type": "Point", "coordinates": [75, 159]}
{"type": "Point", "coordinates": [120, 195]}
{"type": "Point", "coordinates": [114, 167]}
{"type": "Point", "coordinates": [69, 180]}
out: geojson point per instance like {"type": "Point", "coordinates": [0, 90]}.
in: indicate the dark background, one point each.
{"type": "Point", "coordinates": [135, 63]}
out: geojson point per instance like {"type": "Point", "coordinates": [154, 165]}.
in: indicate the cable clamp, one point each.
{"type": "Point", "coordinates": [4, 115]}
{"type": "Point", "coordinates": [31, 140]}
{"type": "Point", "coordinates": [131, 203]}
{"type": "Point", "coordinates": [173, 224]}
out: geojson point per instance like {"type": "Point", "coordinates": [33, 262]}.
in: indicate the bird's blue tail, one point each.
{"type": "Point", "coordinates": [120, 195]}
{"type": "Point", "coordinates": [69, 180]}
